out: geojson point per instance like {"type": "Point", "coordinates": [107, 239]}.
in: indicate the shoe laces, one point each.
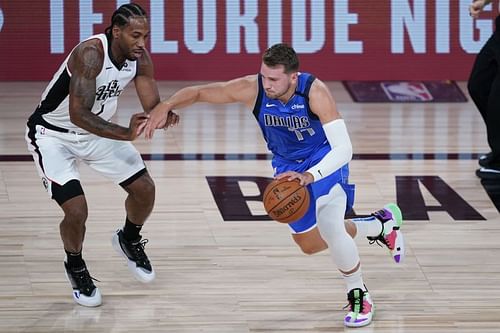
{"type": "Point", "coordinates": [380, 215]}
{"type": "Point", "coordinates": [377, 240]}
{"type": "Point", "coordinates": [137, 250]}
{"type": "Point", "coordinates": [355, 297]}
{"type": "Point", "coordinates": [83, 279]}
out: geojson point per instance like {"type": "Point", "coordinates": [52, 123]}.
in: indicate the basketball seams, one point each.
{"type": "Point", "coordinates": [288, 196]}
{"type": "Point", "coordinates": [285, 220]}
{"type": "Point", "coordinates": [303, 202]}
{"type": "Point", "coordinates": [270, 191]}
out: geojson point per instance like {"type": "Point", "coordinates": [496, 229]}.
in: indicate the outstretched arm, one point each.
{"type": "Point", "coordinates": [85, 63]}
{"type": "Point", "coordinates": [242, 90]}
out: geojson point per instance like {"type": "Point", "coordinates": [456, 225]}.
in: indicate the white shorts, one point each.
{"type": "Point", "coordinates": [57, 156]}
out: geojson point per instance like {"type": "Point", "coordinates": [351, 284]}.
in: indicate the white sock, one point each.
{"type": "Point", "coordinates": [355, 280]}
{"type": "Point", "coordinates": [367, 226]}
{"type": "Point", "coordinates": [343, 250]}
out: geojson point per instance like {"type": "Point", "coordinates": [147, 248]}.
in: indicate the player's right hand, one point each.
{"type": "Point", "coordinates": [137, 124]}
{"type": "Point", "coordinates": [304, 178]}
{"type": "Point", "coordinates": [476, 8]}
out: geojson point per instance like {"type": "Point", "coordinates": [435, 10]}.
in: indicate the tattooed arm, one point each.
{"type": "Point", "coordinates": [85, 63]}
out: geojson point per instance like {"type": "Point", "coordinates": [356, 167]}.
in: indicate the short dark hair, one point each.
{"type": "Point", "coordinates": [121, 16]}
{"type": "Point", "coordinates": [281, 54]}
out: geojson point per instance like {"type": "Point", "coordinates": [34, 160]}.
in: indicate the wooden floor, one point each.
{"type": "Point", "coordinates": [218, 274]}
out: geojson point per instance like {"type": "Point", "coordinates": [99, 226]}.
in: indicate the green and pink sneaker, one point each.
{"type": "Point", "coordinates": [391, 236]}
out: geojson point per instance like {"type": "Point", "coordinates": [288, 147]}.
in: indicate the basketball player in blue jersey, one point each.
{"type": "Point", "coordinates": [71, 124]}
{"type": "Point", "coordinates": [309, 142]}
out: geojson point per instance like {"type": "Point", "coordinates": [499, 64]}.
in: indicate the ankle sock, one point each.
{"type": "Point", "coordinates": [367, 226]}
{"type": "Point", "coordinates": [131, 231]}
{"type": "Point", "coordinates": [74, 260]}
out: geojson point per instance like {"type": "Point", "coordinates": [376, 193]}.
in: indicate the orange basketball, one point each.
{"type": "Point", "coordinates": [286, 201]}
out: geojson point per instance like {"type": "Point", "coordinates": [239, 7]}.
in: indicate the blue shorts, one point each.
{"type": "Point", "coordinates": [318, 189]}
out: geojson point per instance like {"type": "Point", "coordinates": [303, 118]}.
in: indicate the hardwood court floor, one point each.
{"type": "Point", "coordinates": [243, 276]}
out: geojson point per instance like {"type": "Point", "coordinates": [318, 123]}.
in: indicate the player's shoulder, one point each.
{"type": "Point", "coordinates": [248, 79]}
{"type": "Point", "coordinates": [243, 82]}
{"type": "Point", "coordinates": [87, 56]}
{"type": "Point", "coordinates": [242, 89]}
{"type": "Point", "coordinates": [318, 84]}
{"type": "Point", "coordinates": [90, 45]}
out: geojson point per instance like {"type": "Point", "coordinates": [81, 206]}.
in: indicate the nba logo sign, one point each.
{"type": "Point", "coordinates": [406, 91]}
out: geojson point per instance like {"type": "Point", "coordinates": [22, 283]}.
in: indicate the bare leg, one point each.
{"type": "Point", "coordinates": [140, 199]}
{"type": "Point", "coordinates": [72, 227]}
{"type": "Point", "coordinates": [127, 241]}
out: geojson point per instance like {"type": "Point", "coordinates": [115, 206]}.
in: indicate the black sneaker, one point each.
{"type": "Point", "coordinates": [137, 260]}
{"type": "Point", "coordinates": [485, 160]}
{"type": "Point", "coordinates": [84, 291]}
{"type": "Point", "coordinates": [488, 173]}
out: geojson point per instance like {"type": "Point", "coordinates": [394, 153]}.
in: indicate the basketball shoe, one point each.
{"type": "Point", "coordinates": [137, 260]}
{"type": "Point", "coordinates": [361, 308]}
{"type": "Point", "coordinates": [391, 236]}
{"type": "Point", "coordinates": [490, 173]}
{"type": "Point", "coordinates": [485, 159]}
{"type": "Point", "coordinates": [84, 291]}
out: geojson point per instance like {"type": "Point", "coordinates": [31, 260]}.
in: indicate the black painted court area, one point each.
{"type": "Point", "coordinates": [492, 187]}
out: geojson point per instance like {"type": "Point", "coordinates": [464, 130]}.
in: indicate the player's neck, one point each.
{"type": "Point", "coordinates": [288, 95]}
{"type": "Point", "coordinates": [114, 55]}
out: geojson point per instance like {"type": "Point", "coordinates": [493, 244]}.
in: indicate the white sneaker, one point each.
{"type": "Point", "coordinates": [361, 308]}
{"type": "Point", "coordinates": [391, 236]}
{"type": "Point", "coordinates": [84, 291]}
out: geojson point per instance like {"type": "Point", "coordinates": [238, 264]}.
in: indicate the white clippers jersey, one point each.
{"type": "Point", "coordinates": [54, 105]}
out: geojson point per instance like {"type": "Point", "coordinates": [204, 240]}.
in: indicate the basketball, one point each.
{"type": "Point", "coordinates": [286, 201]}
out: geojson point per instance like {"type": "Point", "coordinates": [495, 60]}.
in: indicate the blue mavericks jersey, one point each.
{"type": "Point", "coordinates": [292, 132]}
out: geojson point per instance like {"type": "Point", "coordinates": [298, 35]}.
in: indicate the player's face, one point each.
{"type": "Point", "coordinates": [278, 84]}
{"type": "Point", "coordinates": [133, 37]}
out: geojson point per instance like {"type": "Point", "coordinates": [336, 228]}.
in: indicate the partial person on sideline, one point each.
{"type": "Point", "coordinates": [309, 142]}
{"type": "Point", "coordinates": [71, 124]}
{"type": "Point", "coordinates": [484, 89]}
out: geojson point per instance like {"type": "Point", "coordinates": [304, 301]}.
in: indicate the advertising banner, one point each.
{"type": "Point", "coordinates": [217, 39]}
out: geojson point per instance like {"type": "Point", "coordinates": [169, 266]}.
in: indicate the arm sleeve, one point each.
{"type": "Point", "coordinates": [341, 153]}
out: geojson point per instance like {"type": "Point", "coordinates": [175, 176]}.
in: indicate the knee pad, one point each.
{"type": "Point", "coordinates": [63, 193]}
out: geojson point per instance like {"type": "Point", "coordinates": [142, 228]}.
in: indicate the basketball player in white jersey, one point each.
{"type": "Point", "coordinates": [309, 142]}
{"type": "Point", "coordinates": [71, 124]}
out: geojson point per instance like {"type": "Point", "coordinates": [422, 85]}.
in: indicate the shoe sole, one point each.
{"type": "Point", "coordinates": [398, 218]}
{"type": "Point", "coordinates": [130, 264]}
{"type": "Point", "coordinates": [362, 324]}
{"type": "Point", "coordinates": [487, 175]}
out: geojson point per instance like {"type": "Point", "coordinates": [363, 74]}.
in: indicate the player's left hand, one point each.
{"type": "Point", "coordinates": [304, 178]}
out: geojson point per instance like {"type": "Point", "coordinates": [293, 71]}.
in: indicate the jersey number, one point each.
{"type": "Point", "coordinates": [300, 136]}
{"type": "Point", "coordinates": [101, 110]}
